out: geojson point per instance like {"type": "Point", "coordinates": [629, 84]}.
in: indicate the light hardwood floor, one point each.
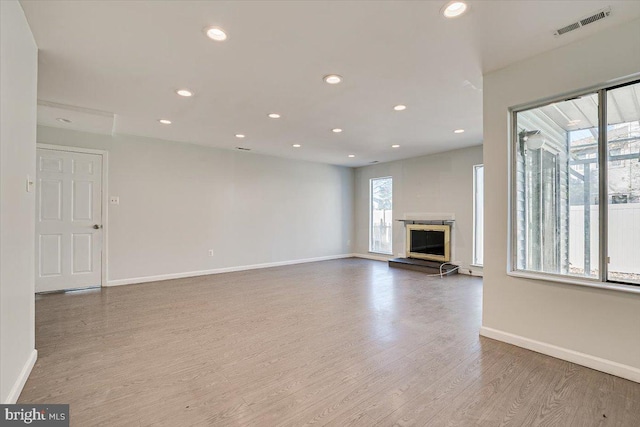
{"type": "Point", "coordinates": [345, 342]}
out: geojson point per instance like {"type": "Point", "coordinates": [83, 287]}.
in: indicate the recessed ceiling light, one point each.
{"type": "Point", "coordinates": [400, 107]}
{"type": "Point", "coordinates": [165, 121]}
{"type": "Point", "coordinates": [336, 130]}
{"type": "Point", "coordinates": [454, 9]}
{"type": "Point", "coordinates": [215, 33]}
{"type": "Point", "coordinates": [274, 115]}
{"type": "Point", "coordinates": [395, 146]}
{"type": "Point", "coordinates": [239, 135]}
{"type": "Point", "coordinates": [184, 92]}
{"type": "Point", "coordinates": [332, 79]}
{"type": "Point", "coordinates": [296, 145]}
{"type": "Point", "coordinates": [351, 155]}
{"type": "Point", "coordinates": [458, 131]}
{"type": "Point", "coordinates": [63, 120]}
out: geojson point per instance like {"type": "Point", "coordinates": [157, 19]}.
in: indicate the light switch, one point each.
{"type": "Point", "coordinates": [114, 200]}
{"type": "Point", "coordinates": [30, 184]}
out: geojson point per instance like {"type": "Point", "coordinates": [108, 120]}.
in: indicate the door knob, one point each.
{"type": "Point", "coordinates": [97, 226]}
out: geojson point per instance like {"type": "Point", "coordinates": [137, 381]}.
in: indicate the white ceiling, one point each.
{"type": "Point", "coordinates": [122, 61]}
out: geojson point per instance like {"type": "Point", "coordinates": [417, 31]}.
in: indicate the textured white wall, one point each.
{"type": "Point", "coordinates": [178, 200]}
{"type": "Point", "coordinates": [438, 183]}
{"type": "Point", "coordinates": [18, 84]}
{"type": "Point", "coordinates": [598, 323]}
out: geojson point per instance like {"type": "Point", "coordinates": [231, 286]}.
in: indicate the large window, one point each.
{"type": "Point", "coordinates": [478, 215]}
{"type": "Point", "coordinates": [576, 186]}
{"type": "Point", "coordinates": [380, 217]}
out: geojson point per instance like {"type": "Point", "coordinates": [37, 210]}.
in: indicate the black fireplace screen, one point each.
{"type": "Point", "coordinates": [427, 242]}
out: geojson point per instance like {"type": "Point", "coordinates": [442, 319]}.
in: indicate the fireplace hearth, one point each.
{"type": "Point", "coordinates": [428, 246]}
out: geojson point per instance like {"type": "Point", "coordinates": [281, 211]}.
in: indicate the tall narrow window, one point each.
{"type": "Point", "coordinates": [576, 186]}
{"type": "Point", "coordinates": [380, 218]}
{"type": "Point", "coordinates": [478, 215]}
{"type": "Point", "coordinates": [623, 178]}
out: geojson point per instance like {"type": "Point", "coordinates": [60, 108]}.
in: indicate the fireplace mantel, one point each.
{"type": "Point", "coordinates": [427, 221]}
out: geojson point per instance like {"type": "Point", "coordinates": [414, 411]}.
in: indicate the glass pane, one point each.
{"type": "Point", "coordinates": [478, 226]}
{"type": "Point", "coordinates": [623, 176]}
{"type": "Point", "coordinates": [557, 188]}
{"type": "Point", "coordinates": [381, 215]}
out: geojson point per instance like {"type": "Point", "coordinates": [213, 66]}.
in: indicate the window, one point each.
{"type": "Point", "coordinates": [623, 184]}
{"type": "Point", "coordinates": [381, 208]}
{"type": "Point", "coordinates": [478, 215]}
{"type": "Point", "coordinates": [576, 186]}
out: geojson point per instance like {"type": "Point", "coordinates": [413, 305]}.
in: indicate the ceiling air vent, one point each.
{"type": "Point", "coordinates": [568, 28]}
{"type": "Point", "coordinates": [601, 14]}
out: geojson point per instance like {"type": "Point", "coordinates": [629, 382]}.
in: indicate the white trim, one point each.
{"type": "Point", "coordinates": [373, 257]}
{"type": "Point", "coordinates": [15, 391]}
{"type": "Point", "coordinates": [105, 217]}
{"type": "Point", "coordinates": [475, 193]}
{"type": "Point", "coordinates": [471, 271]}
{"type": "Point", "coordinates": [146, 279]}
{"type": "Point", "coordinates": [571, 280]}
{"type": "Point", "coordinates": [610, 367]}
{"type": "Point", "coordinates": [105, 197]}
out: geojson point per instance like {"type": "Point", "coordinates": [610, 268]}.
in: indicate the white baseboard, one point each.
{"type": "Point", "coordinates": [15, 391]}
{"type": "Point", "coordinates": [373, 257]}
{"type": "Point", "coordinates": [145, 279]}
{"type": "Point", "coordinates": [470, 271]}
{"type": "Point", "coordinates": [593, 362]}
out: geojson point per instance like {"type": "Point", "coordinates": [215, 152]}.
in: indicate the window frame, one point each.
{"type": "Point", "coordinates": [602, 281]}
{"type": "Point", "coordinates": [370, 233]}
{"type": "Point", "coordinates": [475, 210]}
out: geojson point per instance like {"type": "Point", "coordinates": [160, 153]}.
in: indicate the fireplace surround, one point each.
{"type": "Point", "coordinates": [429, 241]}
{"type": "Point", "coordinates": [428, 244]}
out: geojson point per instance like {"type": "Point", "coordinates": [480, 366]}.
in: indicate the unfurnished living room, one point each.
{"type": "Point", "coordinates": [286, 213]}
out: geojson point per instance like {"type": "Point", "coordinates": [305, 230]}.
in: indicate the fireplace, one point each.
{"type": "Point", "coordinates": [429, 242]}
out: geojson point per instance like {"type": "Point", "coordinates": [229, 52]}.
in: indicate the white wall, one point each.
{"type": "Point", "coordinates": [438, 183]}
{"type": "Point", "coordinates": [178, 200]}
{"type": "Point", "coordinates": [18, 83]}
{"type": "Point", "coordinates": [596, 327]}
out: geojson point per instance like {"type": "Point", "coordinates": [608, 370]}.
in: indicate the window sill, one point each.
{"type": "Point", "coordinates": [476, 265]}
{"type": "Point", "coordinates": [632, 289]}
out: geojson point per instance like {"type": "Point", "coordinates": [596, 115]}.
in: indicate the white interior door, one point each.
{"type": "Point", "coordinates": [68, 220]}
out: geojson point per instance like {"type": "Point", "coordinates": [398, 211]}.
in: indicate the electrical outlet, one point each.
{"type": "Point", "coordinates": [210, 252]}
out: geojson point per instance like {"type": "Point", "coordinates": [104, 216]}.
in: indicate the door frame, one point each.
{"type": "Point", "coordinates": [105, 196]}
